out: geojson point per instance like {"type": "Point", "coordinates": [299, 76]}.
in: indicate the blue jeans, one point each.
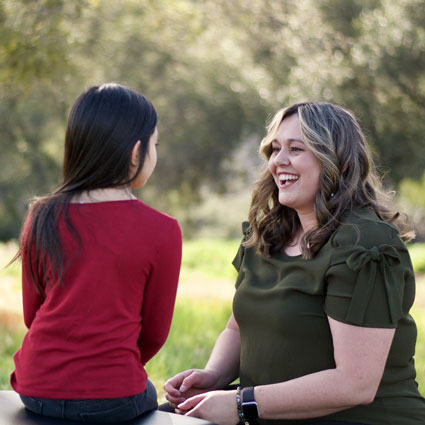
{"type": "Point", "coordinates": [95, 410]}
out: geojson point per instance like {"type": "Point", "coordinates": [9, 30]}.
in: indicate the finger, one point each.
{"type": "Point", "coordinates": [194, 413]}
{"type": "Point", "coordinates": [174, 400]}
{"type": "Point", "coordinates": [179, 377]}
{"type": "Point", "coordinates": [172, 390]}
{"type": "Point", "coordinates": [190, 381]}
{"type": "Point", "coordinates": [174, 383]}
{"type": "Point", "coordinates": [191, 402]}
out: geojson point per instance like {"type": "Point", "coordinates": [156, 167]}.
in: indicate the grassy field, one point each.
{"type": "Point", "coordinates": [202, 309]}
{"type": "Point", "coordinates": [417, 252]}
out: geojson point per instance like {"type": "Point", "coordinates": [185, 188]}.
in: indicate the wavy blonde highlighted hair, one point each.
{"type": "Point", "coordinates": [348, 181]}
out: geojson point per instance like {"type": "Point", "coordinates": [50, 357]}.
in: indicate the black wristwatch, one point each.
{"type": "Point", "coordinates": [249, 405]}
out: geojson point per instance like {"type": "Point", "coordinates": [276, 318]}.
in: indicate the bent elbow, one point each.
{"type": "Point", "coordinates": [368, 396]}
{"type": "Point", "coordinates": [358, 391]}
{"type": "Point", "coordinates": [365, 394]}
{"type": "Point", "coordinates": [151, 343]}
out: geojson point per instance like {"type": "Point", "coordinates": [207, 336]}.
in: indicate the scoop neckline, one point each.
{"type": "Point", "coordinates": [292, 257]}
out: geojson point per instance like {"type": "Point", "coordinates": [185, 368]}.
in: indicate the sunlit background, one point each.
{"type": "Point", "coordinates": [215, 70]}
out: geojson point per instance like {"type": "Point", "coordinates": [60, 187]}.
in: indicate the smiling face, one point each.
{"type": "Point", "coordinates": [295, 169]}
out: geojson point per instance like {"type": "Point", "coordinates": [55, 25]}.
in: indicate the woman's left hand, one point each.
{"type": "Point", "coordinates": [216, 406]}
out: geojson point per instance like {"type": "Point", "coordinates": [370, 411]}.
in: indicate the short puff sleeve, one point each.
{"type": "Point", "coordinates": [238, 260]}
{"type": "Point", "coordinates": [365, 285]}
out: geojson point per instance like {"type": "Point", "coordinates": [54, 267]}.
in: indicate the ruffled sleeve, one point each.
{"type": "Point", "coordinates": [365, 286]}
{"type": "Point", "coordinates": [238, 260]}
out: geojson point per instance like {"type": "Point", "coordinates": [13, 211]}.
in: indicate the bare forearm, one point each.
{"type": "Point", "coordinates": [224, 358]}
{"type": "Point", "coordinates": [310, 396]}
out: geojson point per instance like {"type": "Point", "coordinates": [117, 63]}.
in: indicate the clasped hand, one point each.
{"type": "Point", "coordinates": [191, 393]}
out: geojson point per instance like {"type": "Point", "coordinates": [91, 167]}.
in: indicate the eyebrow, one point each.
{"type": "Point", "coordinates": [290, 140]}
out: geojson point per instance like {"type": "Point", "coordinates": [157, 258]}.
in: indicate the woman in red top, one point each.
{"type": "Point", "coordinates": [100, 269]}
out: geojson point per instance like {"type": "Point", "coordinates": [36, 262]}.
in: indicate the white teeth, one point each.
{"type": "Point", "coordinates": [283, 177]}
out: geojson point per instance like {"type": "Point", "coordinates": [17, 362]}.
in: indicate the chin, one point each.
{"type": "Point", "coordinates": [285, 203]}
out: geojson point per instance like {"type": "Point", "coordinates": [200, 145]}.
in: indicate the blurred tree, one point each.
{"type": "Point", "coordinates": [412, 197]}
{"type": "Point", "coordinates": [214, 69]}
{"type": "Point", "coordinates": [366, 55]}
{"type": "Point", "coordinates": [34, 55]}
{"type": "Point", "coordinates": [387, 59]}
{"type": "Point", "coordinates": [173, 52]}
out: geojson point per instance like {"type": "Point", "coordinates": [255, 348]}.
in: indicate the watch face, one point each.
{"type": "Point", "coordinates": [250, 409]}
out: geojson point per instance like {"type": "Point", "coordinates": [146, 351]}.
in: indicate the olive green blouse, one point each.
{"type": "Point", "coordinates": [362, 276]}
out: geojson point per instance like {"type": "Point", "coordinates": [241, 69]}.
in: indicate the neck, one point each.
{"type": "Point", "coordinates": [308, 221]}
{"type": "Point", "coordinates": [120, 193]}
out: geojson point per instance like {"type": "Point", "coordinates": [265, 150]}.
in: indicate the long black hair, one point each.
{"type": "Point", "coordinates": [103, 127]}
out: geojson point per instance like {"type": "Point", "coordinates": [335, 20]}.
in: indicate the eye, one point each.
{"type": "Point", "coordinates": [296, 149]}
{"type": "Point", "coordinates": [275, 149]}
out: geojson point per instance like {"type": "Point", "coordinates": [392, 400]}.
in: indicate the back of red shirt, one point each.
{"type": "Point", "coordinates": [92, 336]}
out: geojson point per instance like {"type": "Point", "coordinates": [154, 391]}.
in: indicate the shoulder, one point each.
{"type": "Point", "coordinates": [153, 216]}
{"type": "Point", "coordinates": [159, 231]}
{"type": "Point", "coordinates": [363, 227]}
{"type": "Point", "coordinates": [370, 280]}
{"type": "Point", "coordinates": [151, 224]}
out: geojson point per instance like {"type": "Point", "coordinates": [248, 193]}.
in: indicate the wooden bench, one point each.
{"type": "Point", "coordinates": [13, 412]}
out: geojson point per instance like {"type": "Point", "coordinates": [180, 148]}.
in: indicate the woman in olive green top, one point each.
{"type": "Point", "coordinates": [320, 330]}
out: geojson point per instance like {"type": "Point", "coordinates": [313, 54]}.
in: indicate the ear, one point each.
{"type": "Point", "coordinates": [135, 154]}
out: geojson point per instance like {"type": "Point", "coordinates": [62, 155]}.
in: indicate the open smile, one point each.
{"type": "Point", "coordinates": [286, 180]}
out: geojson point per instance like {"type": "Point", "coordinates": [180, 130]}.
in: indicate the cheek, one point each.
{"type": "Point", "coordinates": [316, 179]}
{"type": "Point", "coordinates": [271, 165]}
{"type": "Point", "coordinates": [154, 161]}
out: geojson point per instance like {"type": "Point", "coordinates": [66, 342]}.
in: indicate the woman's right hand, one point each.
{"type": "Point", "coordinates": [189, 383]}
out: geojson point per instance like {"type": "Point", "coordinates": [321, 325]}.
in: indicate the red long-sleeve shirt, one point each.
{"type": "Point", "coordinates": [92, 336]}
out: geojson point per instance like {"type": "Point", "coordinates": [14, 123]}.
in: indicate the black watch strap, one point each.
{"type": "Point", "coordinates": [249, 405]}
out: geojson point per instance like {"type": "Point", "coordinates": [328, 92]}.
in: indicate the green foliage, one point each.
{"type": "Point", "coordinates": [198, 320]}
{"type": "Point", "coordinates": [419, 316]}
{"type": "Point", "coordinates": [33, 41]}
{"type": "Point", "coordinates": [196, 325]}
{"type": "Point", "coordinates": [412, 199]}
{"type": "Point", "coordinates": [195, 328]}
{"type": "Point", "coordinates": [373, 51]}
{"type": "Point", "coordinates": [10, 341]}
{"type": "Point", "coordinates": [413, 192]}
{"type": "Point", "coordinates": [214, 70]}
{"type": "Point", "coordinates": [417, 254]}
{"type": "Point", "coordinates": [210, 257]}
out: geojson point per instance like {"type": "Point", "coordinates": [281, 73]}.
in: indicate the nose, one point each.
{"type": "Point", "coordinates": [282, 157]}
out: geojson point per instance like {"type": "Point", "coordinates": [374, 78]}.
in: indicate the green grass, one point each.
{"type": "Point", "coordinates": [198, 319]}
{"type": "Point", "coordinates": [10, 341]}
{"type": "Point", "coordinates": [419, 316]}
{"type": "Point", "coordinates": [7, 252]}
{"type": "Point", "coordinates": [210, 257]}
{"type": "Point", "coordinates": [196, 325]}
{"type": "Point", "coordinates": [417, 254]}
{"type": "Point", "coordinates": [213, 257]}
